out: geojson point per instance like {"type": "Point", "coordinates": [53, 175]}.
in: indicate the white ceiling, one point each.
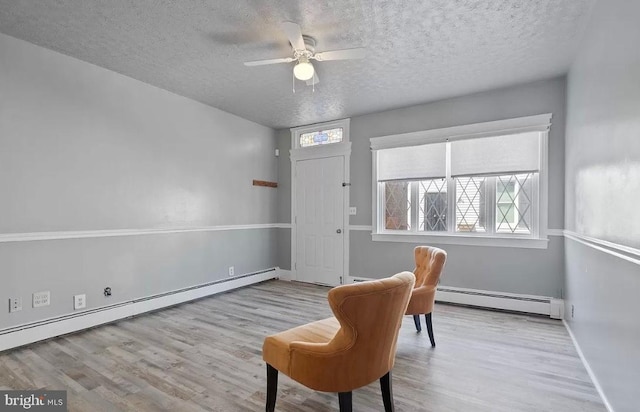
{"type": "Point", "coordinates": [419, 51]}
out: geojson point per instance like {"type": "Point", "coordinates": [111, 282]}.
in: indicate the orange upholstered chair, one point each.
{"type": "Point", "coordinates": [348, 351]}
{"type": "Point", "coordinates": [429, 264]}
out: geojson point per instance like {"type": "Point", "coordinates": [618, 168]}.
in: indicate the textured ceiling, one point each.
{"type": "Point", "coordinates": [418, 51]}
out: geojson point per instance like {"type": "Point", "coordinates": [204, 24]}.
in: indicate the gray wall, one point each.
{"type": "Point", "coordinates": [547, 96]}
{"type": "Point", "coordinates": [133, 266]}
{"type": "Point", "coordinates": [602, 198]}
{"type": "Point", "coordinates": [527, 271]}
{"type": "Point", "coordinates": [84, 148]}
{"type": "Point", "coordinates": [284, 198]}
{"type": "Point", "coordinates": [488, 268]}
{"type": "Point", "coordinates": [514, 270]}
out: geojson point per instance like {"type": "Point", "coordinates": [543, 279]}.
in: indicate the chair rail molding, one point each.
{"type": "Point", "coordinates": [80, 234]}
{"type": "Point", "coordinates": [627, 253]}
{"type": "Point", "coordinates": [366, 228]}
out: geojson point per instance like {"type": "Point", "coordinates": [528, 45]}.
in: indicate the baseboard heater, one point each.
{"type": "Point", "coordinates": [540, 305]}
{"type": "Point", "coordinates": [60, 325]}
{"type": "Point", "coordinates": [506, 301]}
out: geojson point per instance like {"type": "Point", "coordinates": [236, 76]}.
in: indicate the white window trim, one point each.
{"type": "Point", "coordinates": [463, 240]}
{"type": "Point", "coordinates": [540, 123]}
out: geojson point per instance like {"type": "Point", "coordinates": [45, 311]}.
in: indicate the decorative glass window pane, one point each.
{"type": "Point", "coordinates": [321, 137]}
{"type": "Point", "coordinates": [433, 205]}
{"type": "Point", "coordinates": [471, 212]}
{"type": "Point", "coordinates": [484, 184]}
{"type": "Point", "coordinates": [513, 203]}
{"type": "Point", "coordinates": [397, 205]}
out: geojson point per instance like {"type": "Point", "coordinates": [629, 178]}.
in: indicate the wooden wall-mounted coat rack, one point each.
{"type": "Point", "coordinates": [265, 183]}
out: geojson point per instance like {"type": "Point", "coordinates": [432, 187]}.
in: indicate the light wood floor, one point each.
{"type": "Point", "coordinates": [206, 355]}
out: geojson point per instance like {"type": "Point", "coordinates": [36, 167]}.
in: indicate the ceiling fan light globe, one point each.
{"type": "Point", "coordinates": [303, 71]}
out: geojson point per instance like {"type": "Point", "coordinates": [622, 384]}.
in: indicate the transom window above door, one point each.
{"type": "Point", "coordinates": [481, 184]}
{"type": "Point", "coordinates": [320, 136]}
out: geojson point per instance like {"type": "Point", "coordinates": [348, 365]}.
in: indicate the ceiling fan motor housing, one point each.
{"type": "Point", "coordinates": [309, 42]}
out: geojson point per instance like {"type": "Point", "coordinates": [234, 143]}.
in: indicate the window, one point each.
{"type": "Point", "coordinates": [471, 207]}
{"type": "Point", "coordinates": [432, 216]}
{"type": "Point", "coordinates": [514, 203]}
{"type": "Point", "coordinates": [456, 186]}
{"type": "Point", "coordinates": [321, 137]}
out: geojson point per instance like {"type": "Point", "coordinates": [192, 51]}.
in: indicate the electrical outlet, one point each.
{"type": "Point", "coordinates": [15, 305]}
{"type": "Point", "coordinates": [41, 299]}
{"type": "Point", "coordinates": [79, 302]}
{"type": "Point", "coordinates": [353, 210]}
{"type": "Point", "coordinates": [231, 271]}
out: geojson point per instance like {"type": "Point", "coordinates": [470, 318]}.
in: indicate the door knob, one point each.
{"type": "Point", "coordinates": [339, 231]}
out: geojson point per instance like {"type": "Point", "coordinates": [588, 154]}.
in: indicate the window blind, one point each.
{"type": "Point", "coordinates": [413, 162]}
{"type": "Point", "coordinates": [508, 154]}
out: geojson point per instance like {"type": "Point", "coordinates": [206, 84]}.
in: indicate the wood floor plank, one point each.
{"type": "Point", "coordinates": [206, 356]}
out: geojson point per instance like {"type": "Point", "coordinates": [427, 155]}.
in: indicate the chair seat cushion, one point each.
{"type": "Point", "coordinates": [276, 348]}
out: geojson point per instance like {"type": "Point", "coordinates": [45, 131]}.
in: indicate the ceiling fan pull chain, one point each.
{"type": "Point", "coordinates": [293, 82]}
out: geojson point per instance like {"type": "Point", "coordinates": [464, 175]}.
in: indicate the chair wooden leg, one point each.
{"type": "Point", "coordinates": [416, 320]}
{"type": "Point", "coordinates": [272, 388]}
{"type": "Point", "coordinates": [344, 399]}
{"type": "Point", "coordinates": [430, 329]}
{"type": "Point", "coordinates": [387, 393]}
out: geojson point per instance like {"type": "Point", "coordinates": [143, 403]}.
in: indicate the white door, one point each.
{"type": "Point", "coordinates": [320, 220]}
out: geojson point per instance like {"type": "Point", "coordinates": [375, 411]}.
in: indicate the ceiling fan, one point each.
{"type": "Point", "coordinates": [304, 51]}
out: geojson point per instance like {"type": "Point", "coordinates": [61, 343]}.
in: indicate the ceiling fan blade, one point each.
{"type": "Point", "coordinates": [294, 34]}
{"type": "Point", "coordinates": [314, 80]}
{"type": "Point", "coordinates": [345, 54]}
{"type": "Point", "coordinates": [269, 61]}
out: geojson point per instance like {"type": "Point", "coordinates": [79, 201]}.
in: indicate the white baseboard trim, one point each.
{"type": "Point", "coordinates": [592, 375]}
{"type": "Point", "coordinates": [49, 328]}
{"type": "Point", "coordinates": [541, 305]}
{"type": "Point", "coordinates": [284, 274]}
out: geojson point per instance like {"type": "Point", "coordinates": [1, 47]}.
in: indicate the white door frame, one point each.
{"type": "Point", "coordinates": [298, 153]}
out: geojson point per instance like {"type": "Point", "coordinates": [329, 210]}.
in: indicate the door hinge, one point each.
{"type": "Point", "coordinates": [341, 280]}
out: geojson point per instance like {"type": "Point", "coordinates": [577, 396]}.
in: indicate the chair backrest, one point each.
{"type": "Point", "coordinates": [429, 264]}
{"type": "Point", "coordinates": [370, 315]}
